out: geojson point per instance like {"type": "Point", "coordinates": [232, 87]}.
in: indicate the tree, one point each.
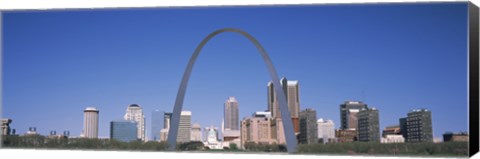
{"type": "Point", "coordinates": [233, 146]}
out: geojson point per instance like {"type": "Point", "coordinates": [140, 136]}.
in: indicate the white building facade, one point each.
{"type": "Point", "coordinates": [90, 122]}
{"type": "Point", "coordinates": [134, 112]}
{"type": "Point", "coordinates": [392, 139]}
{"type": "Point", "coordinates": [326, 130]}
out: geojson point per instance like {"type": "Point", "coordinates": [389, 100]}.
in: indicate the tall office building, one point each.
{"type": "Point", "coordinates": [5, 126]}
{"type": "Point", "coordinates": [326, 131]}
{"type": "Point", "coordinates": [166, 120]}
{"type": "Point", "coordinates": [368, 125]}
{"type": "Point", "coordinates": [157, 125]}
{"type": "Point", "coordinates": [403, 127]}
{"type": "Point", "coordinates": [230, 114]}
{"type": "Point", "coordinates": [196, 132]}
{"type": "Point", "coordinates": [419, 126]}
{"type": "Point", "coordinates": [123, 130]}
{"type": "Point", "coordinates": [348, 114]}
{"type": "Point", "coordinates": [90, 122]}
{"type": "Point", "coordinates": [308, 127]}
{"type": "Point", "coordinates": [184, 127]}
{"type": "Point", "coordinates": [135, 113]}
{"type": "Point", "coordinates": [291, 89]}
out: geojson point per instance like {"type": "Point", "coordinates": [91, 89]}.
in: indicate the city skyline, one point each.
{"type": "Point", "coordinates": [115, 58]}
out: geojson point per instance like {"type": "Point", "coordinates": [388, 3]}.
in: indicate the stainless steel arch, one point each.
{"type": "Point", "coordinates": [287, 126]}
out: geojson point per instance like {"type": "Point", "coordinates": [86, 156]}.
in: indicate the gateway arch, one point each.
{"type": "Point", "coordinates": [175, 119]}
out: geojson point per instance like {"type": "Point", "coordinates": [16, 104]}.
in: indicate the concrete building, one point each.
{"type": "Point", "coordinates": [257, 130]}
{"type": "Point", "coordinates": [157, 124]}
{"type": "Point", "coordinates": [291, 89]}
{"type": "Point", "coordinates": [135, 113]}
{"type": "Point", "coordinates": [308, 127]}
{"type": "Point", "coordinates": [196, 132]}
{"type": "Point", "coordinates": [455, 137]}
{"type": "Point", "coordinates": [166, 120]}
{"type": "Point", "coordinates": [348, 114]}
{"type": "Point", "coordinates": [230, 114]}
{"type": "Point", "coordinates": [347, 135]}
{"type": "Point", "coordinates": [368, 125]}
{"type": "Point", "coordinates": [392, 138]}
{"type": "Point", "coordinates": [392, 130]}
{"type": "Point", "coordinates": [123, 130]}
{"type": "Point", "coordinates": [392, 134]}
{"type": "Point", "coordinates": [5, 126]}
{"type": "Point", "coordinates": [90, 122]}
{"type": "Point", "coordinates": [419, 126]}
{"type": "Point", "coordinates": [326, 131]}
{"type": "Point", "coordinates": [164, 134]}
{"type": "Point", "coordinates": [231, 135]}
{"type": "Point", "coordinates": [403, 127]}
{"type": "Point", "coordinates": [184, 127]}
{"type": "Point", "coordinates": [262, 114]}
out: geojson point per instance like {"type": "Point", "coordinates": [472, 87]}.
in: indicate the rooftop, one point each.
{"type": "Point", "coordinates": [134, 105]}
{"type": "Point", "coordinates": [91, 109]}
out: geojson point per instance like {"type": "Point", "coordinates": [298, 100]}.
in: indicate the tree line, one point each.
{"type": "Point", "coordinates": [390, 149]}
{"type": "Point", "coordinates": [350, 148]}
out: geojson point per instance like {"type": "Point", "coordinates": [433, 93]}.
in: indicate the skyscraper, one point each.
{"type": "Point", "coordinates": [419, 126]}
{"type": "Point", "coordinates": [184, 127]}
{"type": "Point", "coordinates": [166, 120]}
{"type": "Point", "coordinates": [231, 114]}
{"type": "Point", "coordinates": [90, 122]}
{"type": "Point", "coordinates": [368, 125]}
{"type": "Point", "coordinates": [134, 112]}
{"type": "Point", "coordinates": [157, 125]}
{"type": "Point", "coordinates": [123, 130]}
{"type": "Point", "coordinates": [348, 114]}
{"type": "Point", "coordinates": [326, 130]}
{"type": "Point", "coordinates": [308, 127]}
{"type": "Point", "coordinates": [291, 89]}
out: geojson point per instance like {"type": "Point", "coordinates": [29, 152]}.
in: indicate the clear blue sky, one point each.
{"type": "Point", "coordinates": [402, 56]}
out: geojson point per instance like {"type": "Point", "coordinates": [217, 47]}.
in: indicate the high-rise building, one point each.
{"type": "Point", "coordinates": [196, 133]}
{"type": "Point", "coordinates": [419, 126]}
{"type": "Point", "coordinates": [157, 124]}
{"type": "Point", "coordinates": [403, 127]}
{"type": "Point", "coordinates": [368, 125]}
{"type": "Point", "coordinates": [291, 89]}
{"type": "Point", "coordinates": [164, 134]}
{"type": "Point", "coordinates": [90, 122]}
{"type": "Point", "coordinates": [277, 132]}
{"type": "Point", "coordinates": [123, 130]}
{"type": "Point", "coordinates": [5, 126]}
{"type": "Point", "coordinates": [348, 114]}
{"type": "Point", "coordinates": [230, 114]}
{"type": "Point", "coordinates": [308, 127]}
{"type": "Point", "coordinates": [184, 127]}
{"type": "Point", "coordinates": [326, 131]}
{"type": "Point", "coordinates": [257, 130]}
{"type": "Point", "coordinates": [166, 120]}
{"type": "Point", "coordinates": [135, 113]}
